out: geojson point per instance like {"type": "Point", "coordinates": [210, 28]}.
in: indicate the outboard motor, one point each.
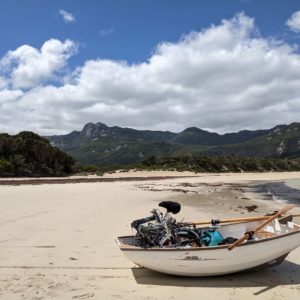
{"type": "Point", "coordinates": [171, 206]}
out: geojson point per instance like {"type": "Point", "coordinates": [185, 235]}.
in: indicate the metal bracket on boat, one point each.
{"type": "Point", "coordinates": [215, 222]}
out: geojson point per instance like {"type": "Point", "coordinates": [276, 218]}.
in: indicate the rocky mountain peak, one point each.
{"type": "Point", "coordinates": [193, 130]}
{"type": "Point", "coordinates": [91, 130]}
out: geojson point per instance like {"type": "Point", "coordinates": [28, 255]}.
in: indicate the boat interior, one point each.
{"type": "Point", "coordinates": [272, 229]}
{"type": "Point", "coordinates": [235, 230]}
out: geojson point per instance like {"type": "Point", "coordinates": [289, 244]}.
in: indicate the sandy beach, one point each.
{"type": "Point", "coordinates": [57, 240]}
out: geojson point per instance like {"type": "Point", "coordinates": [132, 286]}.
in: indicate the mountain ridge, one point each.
{"type": "Point", "coordinates": [100, 144]}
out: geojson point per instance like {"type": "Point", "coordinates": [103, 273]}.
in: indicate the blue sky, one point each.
{"type": "Point", "coordinates": [219, 65]}
{"type": "Point", "coordinates": [134, 27]}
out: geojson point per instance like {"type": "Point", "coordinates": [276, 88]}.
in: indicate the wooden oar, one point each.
{"type": "Point", "coordinates": [288, 218]}
{"type": "Point", "coordinates": [233, 220]}
{"type": "Point", "coordinates": [295, 215]}
{"type": "Point", "coordinates": [258, 218]}
{"type": "Point", "coordinates": [270, 219]}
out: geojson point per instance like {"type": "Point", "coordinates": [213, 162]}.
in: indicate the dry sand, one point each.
{"type": "Point", "coordinates": [57, 240]}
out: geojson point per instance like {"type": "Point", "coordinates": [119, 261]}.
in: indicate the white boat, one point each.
{"type": "Point", "coordinates": [269, 247]}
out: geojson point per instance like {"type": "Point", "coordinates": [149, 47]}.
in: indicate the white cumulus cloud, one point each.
{"type": "Point", "coordinates": [68, 17]}
{"type": "Point", "coordinates": [294, 22]}
{"type": "Point", "coordinates": [226, 77]}
{"type": "Point", "coordinates": [27, 66]}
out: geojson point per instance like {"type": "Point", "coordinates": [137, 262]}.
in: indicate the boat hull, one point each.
{"type": "Point", "coordinates": [212, 261]}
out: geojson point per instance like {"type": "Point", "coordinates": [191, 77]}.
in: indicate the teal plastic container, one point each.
{"type": "Point", "coordinates": [212, 237]}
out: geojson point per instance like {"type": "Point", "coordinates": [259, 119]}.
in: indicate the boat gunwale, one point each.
{"type": "Point", "coordinates": [248, 243]}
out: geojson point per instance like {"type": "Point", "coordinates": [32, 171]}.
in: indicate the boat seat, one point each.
{"type": "Point", "coordinates": [264, 234]}
{"type": "Point", "coordinates": [170, 206]}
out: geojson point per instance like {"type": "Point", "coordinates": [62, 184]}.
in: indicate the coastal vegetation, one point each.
{"type": "Point", "coordinates": [28, 154]}
{"type": "Point", "coordinates": [196, 163]}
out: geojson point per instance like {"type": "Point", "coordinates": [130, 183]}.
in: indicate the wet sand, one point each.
{"type": "Point", "coordinates": [57, 240]}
